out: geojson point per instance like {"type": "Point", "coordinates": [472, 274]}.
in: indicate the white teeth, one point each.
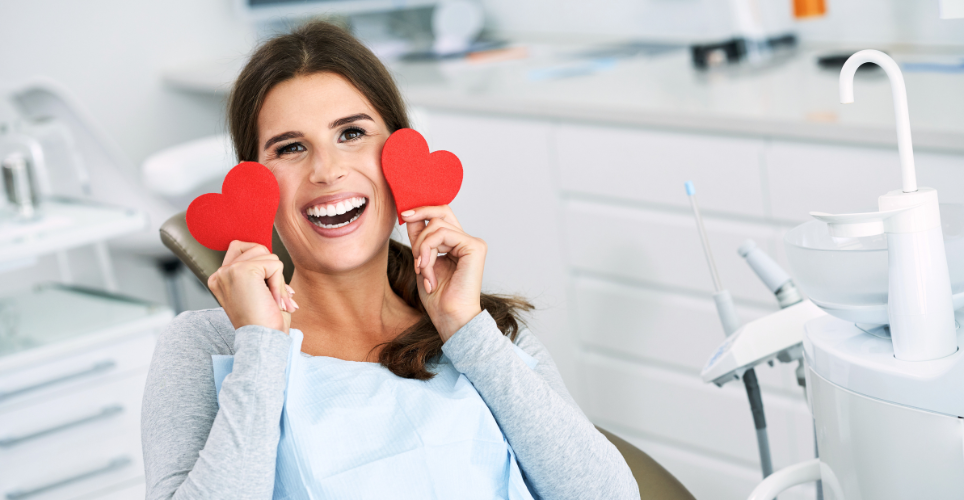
{"type": "Point", "coordinates": [337, 209]}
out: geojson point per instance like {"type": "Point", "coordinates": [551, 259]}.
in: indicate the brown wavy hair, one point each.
{"type": "Point", "coordinates": [318, 47]}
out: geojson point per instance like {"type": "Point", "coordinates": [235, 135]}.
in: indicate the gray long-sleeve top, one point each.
{"type": "Point", "coordinates": [194, 449]}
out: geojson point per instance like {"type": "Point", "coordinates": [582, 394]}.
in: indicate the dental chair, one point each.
{"type": "Point", "coordinates": [653, 480]}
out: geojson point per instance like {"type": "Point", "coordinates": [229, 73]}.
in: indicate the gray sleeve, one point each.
{"type": "Point", "coordinates": [193, 449]}
{"type": "Point", "coordinates": [561, 453]}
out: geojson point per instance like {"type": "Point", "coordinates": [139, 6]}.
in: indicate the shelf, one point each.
{"type": "Point", "coordinates": [63, 225]}
{"type": "Point", "coordinates": [54, 319]}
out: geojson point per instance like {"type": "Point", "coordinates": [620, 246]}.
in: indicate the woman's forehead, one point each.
{"type": "Point", "coordinates": [312, 99]}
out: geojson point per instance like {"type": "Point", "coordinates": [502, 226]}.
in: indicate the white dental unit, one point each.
{"type": "Point", "coordinates": [885, 375]}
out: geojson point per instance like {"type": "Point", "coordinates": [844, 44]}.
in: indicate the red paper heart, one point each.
{"type": "Point", "coordinates": [244, 211]}
{"type": "Point", "coordinates": [417, 178]}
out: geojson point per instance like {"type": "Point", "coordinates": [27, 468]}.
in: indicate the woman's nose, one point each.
{"type": "Point", "coordinates": [326, 169]}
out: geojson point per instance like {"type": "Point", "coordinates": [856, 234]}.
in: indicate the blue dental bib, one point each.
{"type": "Point", "coordinates": [353, 430]}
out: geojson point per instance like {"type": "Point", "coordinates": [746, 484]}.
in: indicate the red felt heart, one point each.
{"type": "Point", "coordinates": [244, 211]}
{"type": "Point", "coordinates": [417, 178]}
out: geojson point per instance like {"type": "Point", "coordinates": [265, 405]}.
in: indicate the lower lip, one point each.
{"type": "Point", "coordinates": [337, 231]}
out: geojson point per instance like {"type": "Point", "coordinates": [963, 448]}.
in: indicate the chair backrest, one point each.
{"type": "Point", "coordinates": [203, 261]}
{"type": "Point", "coordinates": [654, 481]}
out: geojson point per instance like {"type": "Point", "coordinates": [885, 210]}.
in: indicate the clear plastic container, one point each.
{"type": "Point", "coordinates": [852, 272]}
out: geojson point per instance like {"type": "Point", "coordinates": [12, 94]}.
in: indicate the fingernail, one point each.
{"type": "Point", "coordinates": [428, 286]}
{"type": "Point", "coordinates": [408, 213]}
{"type": "Point", "coordinates": [295, 304]}
{"type": "Point", "coordinates": [418, 262]}
{"type": "Point", "coordinates": [291, 291]}
{"type": "Point", "coordinates": [282, 304]}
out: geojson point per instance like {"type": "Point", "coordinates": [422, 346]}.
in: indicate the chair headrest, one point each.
{"type": "Point", "coordinates": [203, 261]}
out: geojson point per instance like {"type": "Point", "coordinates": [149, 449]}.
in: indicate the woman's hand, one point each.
{"type": "Point", "coordinates": [450, 286]}
{"type": "Point", "coordinates": [250, 285]}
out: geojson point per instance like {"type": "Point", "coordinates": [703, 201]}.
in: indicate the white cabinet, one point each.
{"type": "Point", "coordinates": [71, 386]}
{"type": "Point", "coordinates": [678, 408]}
{"type": "Point", "coordinates": [651, 166]}
{"type": "Point", "coordinates": [662, 248]}
{"type": "Point", "coordinates": [805, 177]}
{"type": "Point", "coordinates": [672, 330]}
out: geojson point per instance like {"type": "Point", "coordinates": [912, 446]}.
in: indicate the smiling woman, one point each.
{"type": "Point", "coordinates": [462, 403]}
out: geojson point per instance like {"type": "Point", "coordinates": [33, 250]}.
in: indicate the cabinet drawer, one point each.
{"type": "Point", "coordinates": [69, 373]}
{"type": "Point", "coordinates": [651, 166]}
{"type": "Point", "coordinates": [805, 177]}
{"type": "Point", "coordinates": [91, 436]}
{"type": "Point", "coordinates": [677, 408]}
{"type": "Point", "coordinates": [111, 462]}
{"type": "Point", "coordinates": [663, 248]}
{"type": "Point", "coordinates": [665, 328]}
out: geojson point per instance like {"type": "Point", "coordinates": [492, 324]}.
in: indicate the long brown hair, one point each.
{"type": "Point", "coordinates": [318, 47]}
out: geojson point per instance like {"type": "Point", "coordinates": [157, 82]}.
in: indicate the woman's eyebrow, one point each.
{"type": "Point", "coordinates": [282, 137]}
{"type": "Point", "coordinates": [349, 119]}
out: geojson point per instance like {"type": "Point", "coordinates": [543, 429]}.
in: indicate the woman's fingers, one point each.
{"type": "Point", "coordinates": [243, 250]}
{"type": "Point", "coordinates": [415, 219]}
{"type": "Point", "coordinates": [423, 255]}
{"type": "Point", "coordinates": [437, 212]}
{"type": "Point", "coordinates": [443, 240]}
{"type": "Point", "coordinates": [274, 278]}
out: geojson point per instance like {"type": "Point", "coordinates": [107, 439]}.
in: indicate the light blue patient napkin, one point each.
{"type": "Point", "coordinates": [355, 430]}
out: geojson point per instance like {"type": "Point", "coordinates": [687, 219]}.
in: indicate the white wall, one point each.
{"type": "Point", "coordinates": [111, 54]}
{"type": "Point", "coordinates": [847, 21]}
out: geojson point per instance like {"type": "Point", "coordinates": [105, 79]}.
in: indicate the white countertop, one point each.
{"type": "Point", "coordinates": [65, 224]}
{"type": "Point", "coordinates": [793, 99]}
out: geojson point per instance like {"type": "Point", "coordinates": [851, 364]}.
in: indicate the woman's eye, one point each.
{"type": "Point", "coordinates": [351, 134]}
{"type": "Point", "coordinates": [294, 147]}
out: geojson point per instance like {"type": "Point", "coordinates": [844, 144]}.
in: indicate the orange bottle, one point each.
{"type": "Point", "coordinates": [809, 8]}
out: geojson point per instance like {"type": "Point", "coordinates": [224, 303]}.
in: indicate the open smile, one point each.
{"type": "Point", "coordinates": [337, 215]}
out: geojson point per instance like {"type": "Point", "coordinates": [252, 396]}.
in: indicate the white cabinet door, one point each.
{"type": "Point", "coordinates": [677, 408]}
{"type": "Point", "coordinates": [508, 200]}
{"type": "Point", "coordinates": [804, 177]}
{"type": "Point", "coordinates": [663, 248]}
{"type": "Point", "coordinates": [651, 166]}
{"type": "Point", "coordinates": [664, 329]}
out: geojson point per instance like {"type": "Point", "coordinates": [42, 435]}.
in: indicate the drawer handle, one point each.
{"type": "Point", "coordinates": [99, 367]}
{"type": "Point", "coordinates": [105, 412]}
{"type": "Point", "coordinates": [115, 464]}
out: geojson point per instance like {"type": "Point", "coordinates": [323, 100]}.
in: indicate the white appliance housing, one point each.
{"type": "Point", "coordinates": [888, 412]}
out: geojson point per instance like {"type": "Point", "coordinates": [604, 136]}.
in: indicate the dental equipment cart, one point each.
{"type": "Point", "coordinates": [885, 374]}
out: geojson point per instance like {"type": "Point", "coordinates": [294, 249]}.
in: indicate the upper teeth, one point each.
{"type": "Point", "coordinates": [338, 208]}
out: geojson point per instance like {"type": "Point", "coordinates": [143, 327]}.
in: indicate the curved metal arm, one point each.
{"type": "Point", "coordinates": [899, 91]}
{"type": "Point", "coordinates": [785, 478]}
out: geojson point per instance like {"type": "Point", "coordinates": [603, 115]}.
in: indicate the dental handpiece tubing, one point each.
{"type": "Point", "coordinates": [759, 420]}
{"type": "Point", "coordinates": [731, 322]}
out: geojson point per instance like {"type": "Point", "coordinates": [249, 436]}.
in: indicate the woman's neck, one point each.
{"type": "Point", "coordinates": [348, 315]}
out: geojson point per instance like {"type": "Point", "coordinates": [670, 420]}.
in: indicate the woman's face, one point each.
{"type": "Point", "coordinates": [323, 141]}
